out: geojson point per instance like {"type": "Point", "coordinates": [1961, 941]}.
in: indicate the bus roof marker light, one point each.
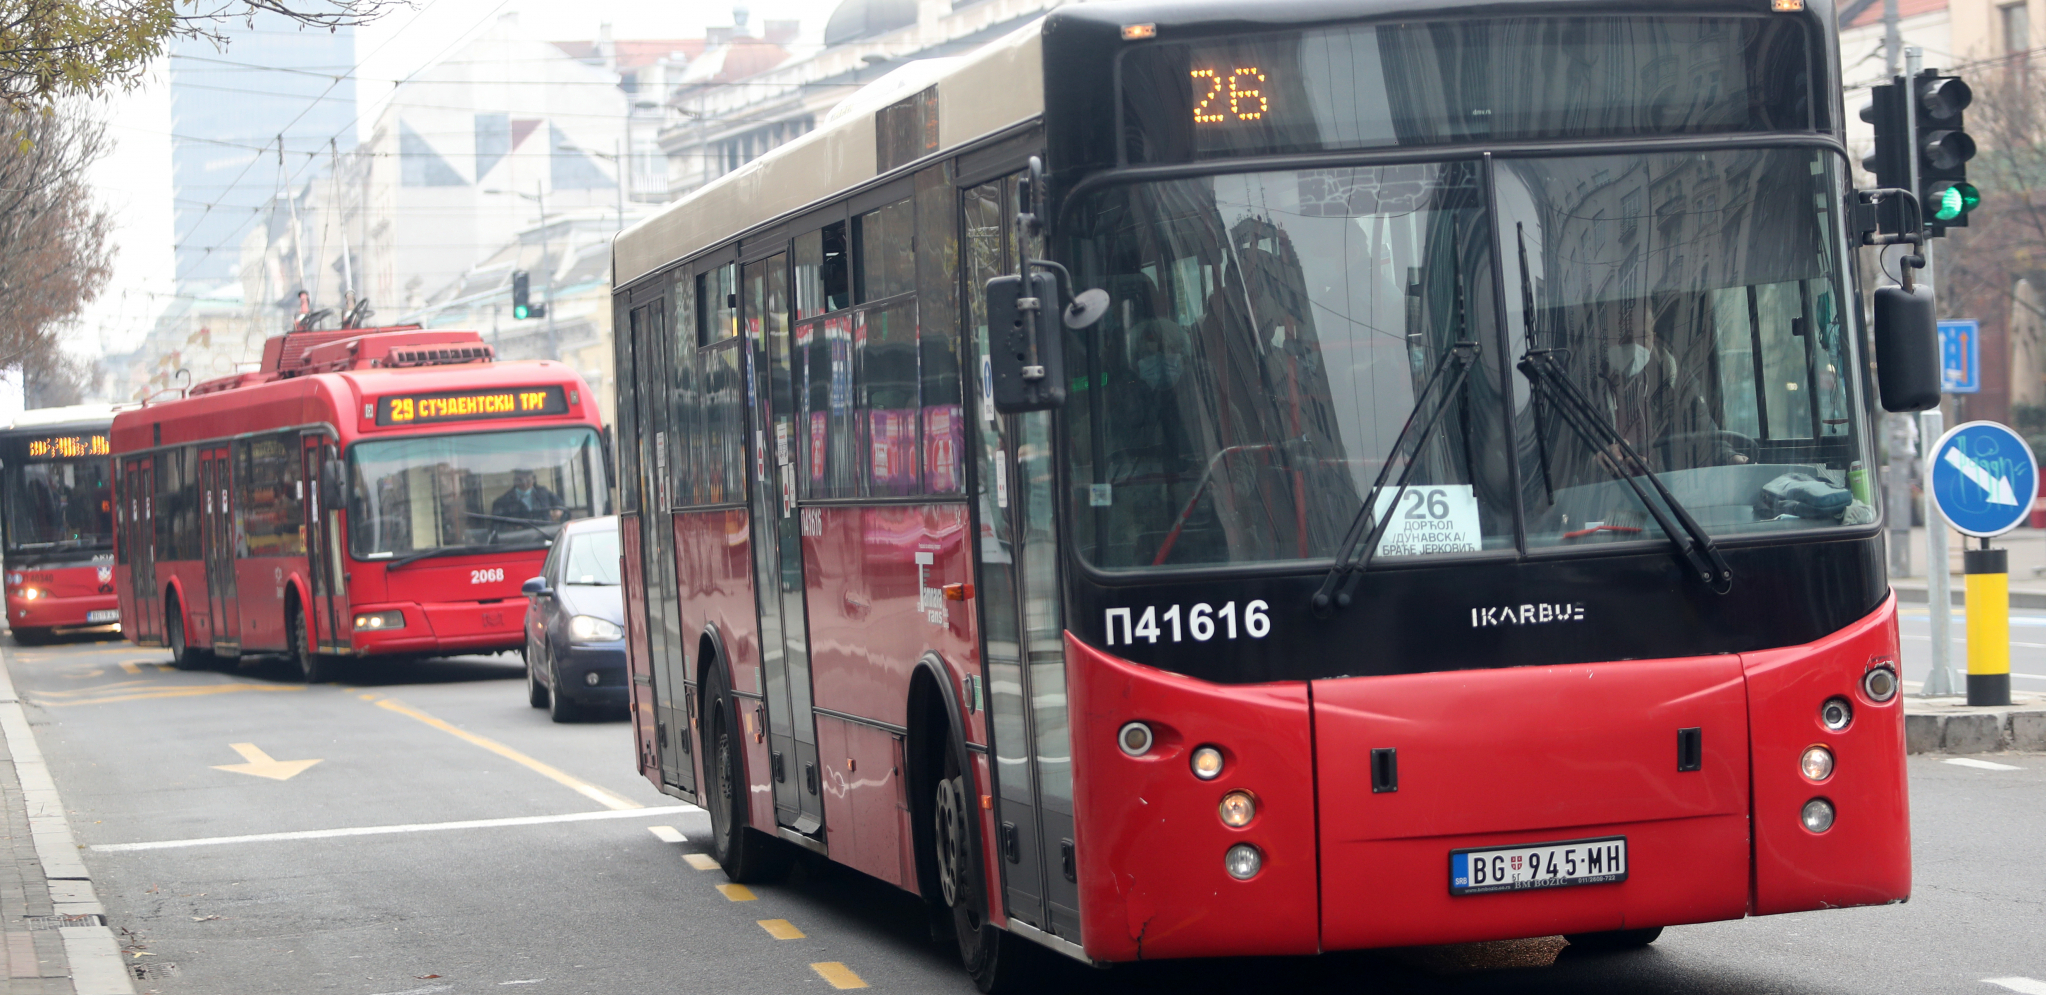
{"type": "Point", "coordinates": [1243, 861]}
{"type": "Point", "coordinates": [1135, 739]}
{"type": "Point", "coordinates": [1207, 763]}
{"type": "Point", "coordinates": [1786, 6]}
{"type": "Point", "coordinates": [1139, 32]}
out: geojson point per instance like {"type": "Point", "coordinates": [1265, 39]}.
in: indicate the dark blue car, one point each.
{"type": "Point", "coordinates": [575, 625]}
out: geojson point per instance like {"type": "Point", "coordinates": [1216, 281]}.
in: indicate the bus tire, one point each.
{"type": "Point", "coordinates": [747, 854]}
{"type": "Point", "coordinates": [997, 960]}
{"type": "Point", "coordinates": [313, 668]}
{"type": "Point", "coordinates": [183, 656]}
{"type": "Point", "coordinates": [536, 693]}
{"type": "Point", "coordinates": [1611, 940]}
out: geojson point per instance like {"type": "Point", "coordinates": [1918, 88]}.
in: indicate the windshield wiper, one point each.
{"type": "Point", "coordinates": [1546, 377]}
{"type": "Point", "coordinates": [414, 557]}
{"type": "Point", "coordinates": [1459, 358]}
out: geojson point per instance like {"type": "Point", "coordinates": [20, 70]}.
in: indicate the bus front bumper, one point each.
{"type": "Point", "coordinates": [440, 628]}
{"type": "Point", "coordinates": [60, 613]}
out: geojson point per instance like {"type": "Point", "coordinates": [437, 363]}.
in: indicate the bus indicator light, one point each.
{"type": "Point", "coordinates": [1139, 32]}
{"type": "Point", "coordinates": [422, 409]}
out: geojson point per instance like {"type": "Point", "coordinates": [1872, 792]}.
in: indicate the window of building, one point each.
{"type": "Point", "coordinates": [2017, 27]}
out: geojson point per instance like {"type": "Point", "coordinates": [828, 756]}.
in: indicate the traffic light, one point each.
{"type": "Point", "coordinates": [1890, 162]}
{"type": "Point", "coordinates": [1944, 150]}
{"type": "Point", "coordinates": [522, 306]}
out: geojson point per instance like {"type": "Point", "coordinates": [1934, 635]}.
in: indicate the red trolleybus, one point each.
{"type": "Point", "coordinates": [1440, 513]}
{"type": "Point", "coordinates": [57, 519]}
{"type": "Point", "coordinates": [364, 493]}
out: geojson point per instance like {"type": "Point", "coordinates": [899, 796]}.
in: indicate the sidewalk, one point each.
{"type": "Point", "coordinates": [2025, 548]}
{"type": "Point", "coordinates": [56, 938]}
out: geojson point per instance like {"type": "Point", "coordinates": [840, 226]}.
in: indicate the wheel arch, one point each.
{"type": "Point", "coordinates": [933, 710]}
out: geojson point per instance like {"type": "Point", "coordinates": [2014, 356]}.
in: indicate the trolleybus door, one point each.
{"type": "Point", "coordinates": [216, 539]}
{"type": "Point", "coordinates": [322, 552]}
{"type": "Point", "coordinates": [778, 551]}
{"type": "Point", "coordinates": [649, 347]}
{"type": "Point", "coordinates": [1022, 634]}
{"type": "Point", "coordinates": [140, 539]}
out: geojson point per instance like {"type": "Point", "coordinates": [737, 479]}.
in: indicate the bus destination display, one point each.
{"type": "Point", "coordinates": [471, 405]}
{"type": "Point", "coordinates": [68, 446]}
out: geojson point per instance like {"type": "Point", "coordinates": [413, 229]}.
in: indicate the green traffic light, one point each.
{"type": "Point", "coordinates": [1956, 200]}
{"type": "Point", "coordinates": [519, 312]}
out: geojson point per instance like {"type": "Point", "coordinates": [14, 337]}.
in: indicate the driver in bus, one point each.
{"type": "Point", "coordinates": [1655, 402]}
{"type": "Point", "coordinates": [528, 500]}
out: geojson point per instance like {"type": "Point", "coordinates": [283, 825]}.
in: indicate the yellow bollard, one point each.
{"type": "Point", "coordinates": [1988, 585]}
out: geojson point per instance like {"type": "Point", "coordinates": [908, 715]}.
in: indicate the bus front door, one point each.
{"type": "Point", "coordinates": [649, 345]}
{"type": "Point", "coordinates": [323, 552]}
{"type": "Point", "coordinates": [778, 553]}
{"type": "Point", "coordinates": [140, 491]}
{"type": "Point", "coordinates": [1022, 634]}
{"type": "Point", "coordinates": [216, 539]}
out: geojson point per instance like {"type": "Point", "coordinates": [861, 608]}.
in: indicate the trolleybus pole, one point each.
{"type": "Point", "coordinates": [1932, 425]}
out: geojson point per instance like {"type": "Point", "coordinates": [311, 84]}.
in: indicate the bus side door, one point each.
{"type": "Point", "coordinates": [322, 550]}
{"type": "Point", "coordinates": [1022, 634]}
{"type": "Point", "coordinates": [648, 343]}
{"type": "Point", "coordinates": [140, 539]}
{"type": "Point", "coordinates": [216, 548]}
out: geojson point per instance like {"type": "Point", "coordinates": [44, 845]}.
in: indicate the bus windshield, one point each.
{"type": "Point", "coordinates": [426, 493]}
{"type": "Point", "coordinates": [63, 504]}
{"type": "Point", "coordinates": [1271, 333]}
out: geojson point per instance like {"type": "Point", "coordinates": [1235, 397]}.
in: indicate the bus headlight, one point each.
{"type": "Point", "coordinates": [1836, 714]}
{"type": "Point", "coordinates": [1134, 738]}
{"type": "Point", "coordinates": [1207, 763]}
{"type": "Point", "coordinates": [1817, 763]}
{"type": "Point", "coordinates": [393, 619]}
{"type": "Point", "coordinates": [1817, 815]}
{"type": "Point", "coordinates": [1243, 861]}
{"type": "Point", "coordinates": [590, 629]}
{"type": "Point", "coordinates": [1880, 683]}
{"type": "Point", "coordinates": [29, 594]}
{"type": "Point", "coordinates": [1237, 809]}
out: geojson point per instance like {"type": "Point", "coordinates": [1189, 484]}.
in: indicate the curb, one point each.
{"type": "Point", "coordinates": [92, 952]}
{"type": "Point", "coordinates": [1987, 731]}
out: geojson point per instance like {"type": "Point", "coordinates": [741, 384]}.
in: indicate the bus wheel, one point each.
{"type": "Point", "coordinates": [1618, 939]}
{"type": "Point", "coordinates": [996, 959]}
{"type": "Point", "coordinates": [746, 854]}
{"type": "Point", "coordinates": [183, 656]}
{"type": "Point", "coordinates": [536, 693]}
{"type": "Point", "coordinates": [312, 667]}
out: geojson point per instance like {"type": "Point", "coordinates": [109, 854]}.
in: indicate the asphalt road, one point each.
{"type": "Point", "coordinates": [2027, 646]}
{"type": "Point", "coordinates": [603, 905]}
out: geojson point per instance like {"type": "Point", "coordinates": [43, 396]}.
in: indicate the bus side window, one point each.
{"type": "Point", "coordinates": [937, 295]}
{"type": "Point", "coordinates": [685, 428]}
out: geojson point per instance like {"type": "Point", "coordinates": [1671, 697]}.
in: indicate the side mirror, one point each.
{"type": "Point", "coordinates": [1906, 349]}
{"type": "Point", "coordinates": [1027, 371]}
{"type": "Point", "coordinates": [534, 585]}
{"type": "Point", "coordinates": [333, 487]}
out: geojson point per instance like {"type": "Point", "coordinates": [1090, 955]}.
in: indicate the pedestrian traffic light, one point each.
{"type": "Point", "coordinates": [522, 306]}
{"type": "Point", "coordinates": [1891, 161]}
{"type": "Point", "coordinates": [1944, 149]}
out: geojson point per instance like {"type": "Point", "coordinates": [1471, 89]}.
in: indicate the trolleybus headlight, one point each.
{"type": "Point", "coordinates": [1243, 861]}
{"type": "Point", "coordinates": [1817, 815]}
{"type": "Point", "coordinates": [590, 629]}
{"type": "Point", "coordinates": [29, 593]}
{"type": "Point", "coordinates": [1835, 714]}
{"type": "Point", "coordinates": [1135, 739]}
{"type": "Point", "coordinates": [1237, 809]}
{"type": "Point", "coordinates": [1207, 763]}
{"type": "Point", "coordinates": [380, 620]}
{"type": "Point", "coordinates": [1817, 764]}
{"type": "Point", "coordinates": [1880, 684]}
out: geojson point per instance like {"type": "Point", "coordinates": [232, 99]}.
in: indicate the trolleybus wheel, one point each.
{"type": "Point", "coordinates": [1618, 939]}
{"type": "Point", "coordinates": [312, 667]}
{"type": "Point", "coordinates": [183, 656]}
{"type": "Point", "coordinates": [746, 854]}
{"type": "Point", "coordinates": [996, 959]}
{"type": "Point", "coordinates": [559, 708]}
{"type": "Point", "coordinates": [536, 693]}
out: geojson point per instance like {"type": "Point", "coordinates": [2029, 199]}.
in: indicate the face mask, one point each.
{"type": "Point", "coordinates": [1160, 372]}
{"type": "Point", "coordinates": [1627, 359]}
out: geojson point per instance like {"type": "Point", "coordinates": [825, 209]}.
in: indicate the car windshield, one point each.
{"type": "Point", "coordinates": [1271, 333]}
{"type": "Point", "coordinates": [591, 558]}
{"type": "Point", "coordinates": [62, 504]}
{"type": "Point", "coordinates": [423, 493]}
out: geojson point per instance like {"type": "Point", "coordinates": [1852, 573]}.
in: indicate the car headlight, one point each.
{"type": "Point", "coordinates": [590, 629]}
{"type": "Point", "coordinates": [377, 621]}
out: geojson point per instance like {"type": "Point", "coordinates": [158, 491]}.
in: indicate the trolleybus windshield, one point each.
{"type": "Point", "coordinates": [445, 493]}
{"type": "Point", "coordinates": [1270, 333]}
{"type": "Point", "coordinates": [59, 504]}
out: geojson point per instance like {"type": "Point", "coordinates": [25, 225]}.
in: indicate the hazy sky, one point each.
{"type": "Point", "coordinates": [135, 180]}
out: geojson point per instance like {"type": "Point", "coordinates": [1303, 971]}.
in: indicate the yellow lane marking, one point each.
{"type": "Point", "coordinates": [737, 892]}
{"type": "Point", "coordinates": [181, 692]}
{"type": "Point", "coordinates": [599, 795]}
{"type": "Point", "coordinates": [369, 697]}
{"type": "Point", "coordinates": [667, 834]}
{"type": "Point", "coordinates": [131, 667]}
{"type": "Point", "coordinates": [838, 974]}
{"type": "Point", "coordinates": [261, 765]}
{"type": "Point", "coordinates": [781, 929]}
{"type": "Point", "coordinates": [701, 861]}
{"type": "Point", "coordinates": [102, 689]}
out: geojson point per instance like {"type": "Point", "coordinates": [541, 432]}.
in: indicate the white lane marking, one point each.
{"type": "Point", "coordinates": [2025, 985]}
{"type": "Point", "coordinates": [428, 990]}
{"type": "Point", "coordinates": [667, 834]}
{"type": "Point", "coordinates": [528, 981]}
{"type": "Point", "coordinates": [421, 827]}
{"type": "Point", "coordinates": [1986, 765]}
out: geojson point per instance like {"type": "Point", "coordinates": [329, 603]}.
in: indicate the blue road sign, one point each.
{"type": "Point", "coordinates": [1982, 476]}
{"type": "Point", "coordinates": [1960, 357]}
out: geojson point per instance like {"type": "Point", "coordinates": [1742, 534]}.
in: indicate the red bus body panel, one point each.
{"type": "Point", "coordinates": [66, 595]}
{"type": "Point", "coordinates": [1495, 757]}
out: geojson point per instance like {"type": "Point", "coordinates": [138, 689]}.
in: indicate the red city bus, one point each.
{"type": "Point", "coordinates": [366, 492]}
{"type": "Point", "coordinates": [1420, 498]}
{"type": "Point", "coordinates": [57, 520]}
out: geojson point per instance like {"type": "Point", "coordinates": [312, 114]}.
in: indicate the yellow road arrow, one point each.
{"type": "Point", "coordinates": [260, 764]}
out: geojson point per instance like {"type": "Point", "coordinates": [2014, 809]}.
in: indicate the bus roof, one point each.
{"type": "Point", "coordinates": [39, 419]}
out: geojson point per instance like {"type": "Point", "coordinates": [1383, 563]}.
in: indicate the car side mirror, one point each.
{"type": "Point", "coordinates": [1026, 369]}
{"type": "Point", "coordinates": [535, 585]}
{"type": "Point", "coordinates": [1906, 349]}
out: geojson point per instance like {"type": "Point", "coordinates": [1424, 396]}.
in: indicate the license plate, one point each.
{"type": "Point", "coordinates": [104, 615]}
{"type": "Point", "coordinates": [1538, 865]}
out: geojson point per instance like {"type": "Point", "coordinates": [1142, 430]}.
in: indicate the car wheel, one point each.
{"type": "Point", "coordinates": [559, 708]}
{"type": "Point", "coordinates": [536, 692]}
{"type": "Point", "coordinates": [747, 855]}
